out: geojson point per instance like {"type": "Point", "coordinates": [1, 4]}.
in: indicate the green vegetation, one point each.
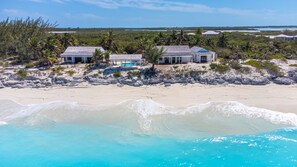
{"type": "Point", "coordinates": [4, 64]}
{"type": "Point", "coordinates": [28, 42]}
{"type": "Point", "coordinates": [57, 70]}
{"type": "Point", "coordinates": [254, 63]}
{"type": "Point", "coordinates": [269, 66]}
{"type": "Point", "coordinates": [117, 74]}
{"type": "Point", "coordinates": [153, 54]}
{"type": "Point", "coordinates": [133, 73]}
{"type": "Point", "coordinates": [70, 72]}
{"type": "Point", "coordinates": [279, 57]}
{"type": "Point", "coordinates": [293, 65]}
{"type": "Point", "coordinates": [221, 68]}
{"type": "Point", "coordinates": [22, 73]}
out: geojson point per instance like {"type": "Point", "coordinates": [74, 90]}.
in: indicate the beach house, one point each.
{"type": "Point", "coordinates": [180, 54]}
{"type": "Point", "coordinates": [176, 54]}
{"type": "Point", "coordinates": [126, 60]}
{"type": "Point", "coordinates": [201, 55]}
{"type": "Point", "coordinates": [210, 33]}
{"type": "Point", "coordinates": [82, 54]}
{"type": "Point", "coordinates": [285, 37]}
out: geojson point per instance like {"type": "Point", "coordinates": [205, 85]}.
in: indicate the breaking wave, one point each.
{"type": "Point", "coordinates": [150, 118]}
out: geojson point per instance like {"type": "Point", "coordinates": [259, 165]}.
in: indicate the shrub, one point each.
{"type": "Point", "coordinates": [269, 66]}
{"type": "Point", "coordinates": [272, 68]}
{"type": "Point", "coordinates": [194, 73]}
{"type": "Point", "coordinates": [30, 65]}
{"type": "Point", "coordinates": [57, 70]}
{"type": "Point", "coordinates": [4, 64]}
{"type": "Point", "coordinates": [221, 68]}
{"type": "Point", "coordinates": [235, 65]}
{"type": "Point", "coordinates": [134, 73]}
{"type": "Point", "coordinates": [293, 65]}
{"type": "Point", "coordinates": [117, 74]}
{"type": "Point", "coordinates": [22, 73]}
{"type": "Point", "coordinates": [70, 72]}
{"type": "Point", "coordinates": [279, 57]}
{"type": "Point", "coordinates": [245, 70]}
{"type": "Point", "coordinates": [254, 63]}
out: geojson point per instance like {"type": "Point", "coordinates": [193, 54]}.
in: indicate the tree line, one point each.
{"type": "Point", "coordinates": [28, 40]}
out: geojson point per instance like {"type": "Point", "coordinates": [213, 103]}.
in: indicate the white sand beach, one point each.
{"type": "Point", "coordinates": [272, 97]}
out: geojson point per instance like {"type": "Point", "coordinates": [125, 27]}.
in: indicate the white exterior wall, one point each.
{"type": "Point", "coordinates": [210, 57]}
{"type": "Point", "coordinates": [186, 59]}
{"type": "Point", "coordinates": [84, 58]}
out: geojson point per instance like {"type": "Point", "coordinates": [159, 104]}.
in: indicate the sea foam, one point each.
{"type": "Point", "coordinates": [146, 116]}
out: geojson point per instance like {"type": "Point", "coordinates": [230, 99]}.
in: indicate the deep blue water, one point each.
{"type": "Point", "coordinates": [72, 145]}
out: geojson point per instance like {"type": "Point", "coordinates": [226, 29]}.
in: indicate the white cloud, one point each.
{"type": "Point", "coordinates": [12, 12]}
{"type": "Point", "coordinates": [83, 16]}
{"type": "Point", "coordinates": [45, 1]}
{"type": "Point", "coordinates": [161, 5]}
{"type": "Point", "coordinates": [167, 5]}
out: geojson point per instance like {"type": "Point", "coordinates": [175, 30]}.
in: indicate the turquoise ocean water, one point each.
{"type": "Point", "coordinates": [144, 133]}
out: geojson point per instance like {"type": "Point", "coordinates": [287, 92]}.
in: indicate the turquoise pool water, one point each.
{"type": "Point", "coordinates": [142, 133]}
{"type": "Point", "coordinates": [128, 64]}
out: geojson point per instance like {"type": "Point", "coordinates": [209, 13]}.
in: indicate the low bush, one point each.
{"type": "Point", "coordinates": [134, 73]}
{"type": "Point", "coordinates": [70, 72]}
{"type": "Point", "coordinates": [22, 73]}
{"type": "Point", "coordinates": [221, 68]}
{"type": "Point", "coordinates": [32, 64]}
{"type": "Point", "coordinates": [271, 67]}
{"type": "Point", "coordinates": [254, 63]}
{"type": "Point", "coordinates": [57, 70]}
{"type": "Point", "coordinates": [4, 64]}
{"type": "Point", "coordinates": [117, 74]}
{"type": "Point", "coordinates": [293, 65]}
{"type": "Point", "coordinates": [278, 57]}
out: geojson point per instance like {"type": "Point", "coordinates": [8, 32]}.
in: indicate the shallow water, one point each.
{"type": "Point", "coordinates": [145, 133]}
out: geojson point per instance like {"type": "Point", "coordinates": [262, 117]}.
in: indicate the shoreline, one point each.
{"type": "Point", "coordinates": [272, 97]}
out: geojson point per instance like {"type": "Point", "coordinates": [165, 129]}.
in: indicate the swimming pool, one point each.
{"type": "Point", "coordinates": [128, 64]}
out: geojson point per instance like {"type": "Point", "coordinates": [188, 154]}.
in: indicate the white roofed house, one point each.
{"type": "Point", "coordinates": [125, 60]}
{"type": "Point", "coordinates": [210, 33]}
{"type": "Point", "coordinates": [284, 37]}
{"type": "Point", "coordinates": [82, 54]}
{"type": "Point", "coordinates": [201, 55]}
{"type": "Point", "coordinates": [176, 54]}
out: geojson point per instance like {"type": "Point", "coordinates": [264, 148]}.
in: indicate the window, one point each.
{"type": "Point", "coordinates": [161, 59]}
{"type": "Point", "coordinates": [69, 58]}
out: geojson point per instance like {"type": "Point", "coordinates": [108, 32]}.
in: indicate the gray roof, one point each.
{"type": "Point", "coordinates": [176, 50]}
{"type": "Point", "coordinates": [123, 57]}
{"type": "Point", "coordinates": [85, 51]}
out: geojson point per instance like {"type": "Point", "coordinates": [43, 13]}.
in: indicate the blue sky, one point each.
{"type": "Point", "coordinates": [154, 13]}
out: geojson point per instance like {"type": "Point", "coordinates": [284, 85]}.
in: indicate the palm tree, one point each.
{"type": "Point", "coordinates": [223, 41]}
{"type": "Point", "coordinates": [68, 40]}
{"type": "Point", "coordinates": [48, 58]}
{"type": "Point", "coordinates": [172, 38]}
{"type": "Point", "coordinates": [97, 57]}
{"type": "Point", "coordinates": [181, 37]}
{"type": "Point", "coordinates": [106, 57]}
{"type": "Point", "coordinates": [153, 54]}
{"type": "Point", "coordinates": [108, 42]}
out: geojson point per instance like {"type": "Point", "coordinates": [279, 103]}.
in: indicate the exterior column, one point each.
{"type": "Point", "coordinates": [73, 60]}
